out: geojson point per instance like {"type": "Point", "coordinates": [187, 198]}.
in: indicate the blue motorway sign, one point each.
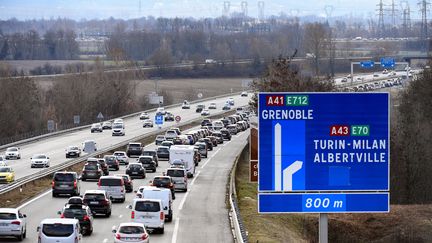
{"type": "Point", "coordinates": [159, 119]}
{"type": "Point", "coordinates": [387, 62]}
{"type": "Point", "coordinates": [311, 142]}
{"type": "Point", "coordinates": [367, 64]}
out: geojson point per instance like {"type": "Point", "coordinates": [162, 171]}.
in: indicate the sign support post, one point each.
{"type": "Point", "coordinates": [323, 228]}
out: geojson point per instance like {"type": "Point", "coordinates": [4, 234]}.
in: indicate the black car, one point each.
{"type": "Point", "coordinates": [112, 162]}
{"type": "Point", "coordinates": [208, 142]}
{"type": "Point", "coordinates": [152, 153]}
{"type": "Point", "coordinates": [82, 213]}
{"type": "Point", "coordinates": [134, 149]}
{"type": "Point", "coordinates": [147, 162]}
{"type": "Point", "coordinates": [98, 202]}
{"type": "Point", "coordinates": [65, 183]}
{"type": "Point", "coordinates": [169, 117]}
{"type": "Point", "coordinates": [91, 171]}
{"type": "Point", "coordinates": [225, 134]}
{"type": "Point", "coordinates": [206, 122]}
{"type": "Point", "coordinates": [164, 182]}
{"type": "Point", "coordinates": [128, 184]}
{"type": "Point", "coordinates": [199, 108]}
{"type": "Point", "coordinates": [73, 152]}
{"type": "Point", "coordinates": [218, 136]}
{"type": "Point", "coordinates": [101, 162]}
{"type": "Point", "coordinates": [163, 152]}
{"type": "Point", "coordinates": [136, 170]}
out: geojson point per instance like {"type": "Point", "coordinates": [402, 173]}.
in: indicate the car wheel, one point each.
{"type": "Point", "coordinates": [162, 230]}
{"type": "Point", "coordinates": [20, 237]}
{"type": "Point", "coordinates": [108, 214]}
{"type": "Point", "coordinates": [25, 234]}
{"type": "Point", "coordinates": [19, 157]}
{"type": "Point", "coordinates": [54, 194]}
{"type": "Point", "coordinates": [154, 170]}
{"type": "Point", "coordinates": [67, 156]}
{"type": "Point", "coordinates": [83, 178]}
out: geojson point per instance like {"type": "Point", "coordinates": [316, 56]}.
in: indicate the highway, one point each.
{"type": "Point", "coordinates": [55, 146]}
{"type": "Point", "coordinates": [200, 215]}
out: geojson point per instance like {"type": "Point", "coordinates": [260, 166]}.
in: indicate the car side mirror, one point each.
{"type": "Point", "coordinates": [47, 157]}
{"type": "Point", "coordinates": [135, 191]}
{"type": "Point", "coordinates": [38, 229]}
{"type": "Point", "coordinates": [114, 231]}
{"type": "Point", "coordinates": [24, 216]}
{"type": "Point", "coordinates": [58, 212]}
{"type": "Point", "coordinates": [130, 206]}
{"type": "Point", "coordinates": [165, 208]}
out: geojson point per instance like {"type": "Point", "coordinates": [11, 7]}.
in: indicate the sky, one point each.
{"type": "Point", "coordinates": [128, 9]}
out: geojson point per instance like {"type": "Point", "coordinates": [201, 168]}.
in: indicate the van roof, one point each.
{"type": "Point", "coordinates": [147, 200]}
{"type": "Point", "coordinates": [60, 221]}
{"type": "Point", "coordinates": [95, 191]}
{"type": "Point", "coordinates": [109, 177]}
{"type": "Point", "coordinates": [8, 210]}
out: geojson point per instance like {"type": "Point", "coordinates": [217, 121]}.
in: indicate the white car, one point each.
{"type": "Point", "coordinates": [13, 223]}
{"type": "Point", "coordinates": [128, 232]}
{"type": "Point", "coordinates": [12, 153]}
{"type": "Point", "coordinates": [185, 105]}
{"type": "Point", "coordinates": [212, 106]}
{"type": "Point", "coordinates": [121, 157]}
{"type": "Point", "coordinates": [231, 101]}
{"type": "Point", "coordinates": [148, 123]}
{"type": "Point", "coordinates": [205, 112]}
{"type": "Point", "coordinates": [149, 212]}
{"type": "Point", "coordinates": [244, 94]}
{"type": "Point", "coordinates": [118, 129]}
{"type": "Point", "coordinates": [59, 230]}
{"type": "Point", "coordinates": [161, 110]}
{"type": "Point", "coordinates": [144, 116]}
{"type": "Point", "coordinates": [39, 160]}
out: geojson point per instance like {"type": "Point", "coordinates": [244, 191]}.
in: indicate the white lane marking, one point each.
{"type": "Point", "coordinates": [105, 240]}
{"type": "Point", "coordinates": [34, 199]}
{"type": "Point", "coordinates": [176, 226]}
{"type": "Point", "coordinates": [121, 216]}
{"type": "Point", "coordinates": [187, 193]}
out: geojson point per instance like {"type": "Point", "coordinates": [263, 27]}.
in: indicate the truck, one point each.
{"type": "Point", "coordinates": [186, 154]}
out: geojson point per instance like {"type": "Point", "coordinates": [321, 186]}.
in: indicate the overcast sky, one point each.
{"type": "Point", "coordinates": [126, 9]}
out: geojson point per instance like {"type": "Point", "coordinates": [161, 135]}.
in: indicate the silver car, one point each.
{"type": "Point", "coordinates": [114, 186]}
{"type": "Point", "coordinates": [122, 157]}
{"type": "Point", "coordinates": [178, 175]}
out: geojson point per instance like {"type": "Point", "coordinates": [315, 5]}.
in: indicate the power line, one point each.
{"type": "Point", "coordinates": [380, 19]}
{"type": "Point", "coordinates": [424, 8]}
{"type": "Point", "coordinates": [261, 10]}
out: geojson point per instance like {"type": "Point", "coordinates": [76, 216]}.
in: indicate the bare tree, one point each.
{"type": "Point", "coordinates": [315, 38]}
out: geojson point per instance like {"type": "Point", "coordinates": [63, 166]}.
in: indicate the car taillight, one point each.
{"type": "Point", "coordinates": [162, 216]}
{"type": "Point", "coordinates": [104, 202]}
{"type": "Point", "coordinates": [62, 216]}
{"type": "Point", "coordinates": [75, 184]}
{"type": "Point", "coordinates": [122, 190]}
{"type": "Point", "coordinates": [53, 184]}
{"type": "Point", "coordinates": [185, 179]}
{"type": "Point", "coordinates": [86, 218]}
{"type": "Point", "coordinates": [132, 214]}
{"type": "Point", "coordinates": [144, 236]}
{"type": "Point", "coordinates": [99, 183]}
{"type": "Point", "coordinates": [117, 236]}
{"type": "Point", "coordinates": [16, 222]}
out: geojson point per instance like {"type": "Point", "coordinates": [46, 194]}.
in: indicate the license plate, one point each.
{"type": "Point", "coordinates": [94, 202]}
{"type": "Point", "coordinates": [146, 217]}
{"type": "Point", "coordinates": [91, 173]}
{"type": "Point", "coordinates": [63, 185]}
{"type": "Point", "coordinates": [4, 224]}
{"type": "Point", "coordinates": [134, 173]}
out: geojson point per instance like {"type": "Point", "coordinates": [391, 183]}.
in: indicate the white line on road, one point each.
{"type": "Point", "coordinates": [187, 193]}
{"type": "Point", "coordinates": [105, 240]}
{"type": "Point", "coordinates": [34, 199]}
{"type": "Point", "coordinates": [176, 226]}
{"type": "Point", "coordinates": [121, 216]}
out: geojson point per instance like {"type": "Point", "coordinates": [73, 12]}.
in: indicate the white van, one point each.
{"type": "Point", "coordinates": [150, 213]}
{"type": "Point", "coordinates": [185, 154]}
{"type": "Point", "coordinates": [164, 194]}
{"type": "Point", "coordinates": [59, 230]}
{"type": "Point", "coordinates": [89, 146]}
{"type": "Point", "coordinates": [114, 186]}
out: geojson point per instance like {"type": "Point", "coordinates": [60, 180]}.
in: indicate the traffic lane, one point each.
{"type": "Point", "coordinates": [38, 210]}
{"type": "Point", "coordinates": [205, 215]}
{"type": "Point", "coordinates": [55, 147]}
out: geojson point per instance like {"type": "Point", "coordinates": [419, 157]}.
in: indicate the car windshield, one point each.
{"type": "Point", "coordinates": [160, 137]}
{"type": "Point", "coordinates": [7, 216]}
{"type": "Point", "coordinates": [73, 148]}
{"type": "Point", "coordinates": [58, 230]}
{"type": "Point", "coordinates": [134, 166]}
{"type": "Point", "coordinates": [94, 196]}
{"type": "Point", "coordinates": [131, 230]}
{"type": "Point", "coordinates": [5, 169]}
{"type": "Point", "coordinates": [12, 149]}
{"type": "Point", "coordinates": [119, 154]}
{"type": "Point", "coordinates": [149, 153]}
{"type": "Point", "coordinates": [118, 126]}
{"type": "Point", "coordinates": [175, 173]}
{"type": "Point", "coordinates": [147, 206]}
{"type": "Point", "coordinates": [110, 182]}
{"type": "Point", "coordinates": [109, 158]}
{"type": "Point", "coordinates": [163, 149]}
{"type": "Point", "coordinates": [74, 213]}
{"type": "Point", "coordinates": [134, 145]}
{"type": "Point", "coordinates": [40, 156]}
{"type": "Point", "coordinates": [63, 177]}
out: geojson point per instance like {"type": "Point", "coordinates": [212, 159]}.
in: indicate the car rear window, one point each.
{"type": "Point", "coordinates": [118, 154]}
{"type": "Point", "coordinates": [175, 173]}
{"type": "Point", "coordinates": [7, 216]}
{"type": "Point", "coordinates": [131, 230]}
{"type": "Point", "coordinates": [91, 167]}
{"type": "Point", "coordinates": [134, 145]}
{"type": "Point", "coordinates": [147, 206]}
{"type": "Point", "coordinates": [161, 181]}
{"type": "Point", "coordinates": [71, 213]}
{"type": "Point", "coordinates": [111, 182]}
{"type": "Point", "coordinates": [163, 149]}
{"type": "Point", "coordinates": [145, 160]}
{"type": "Point", "coordinates": [94, 196]}
{"type": "Point", "coordinates": [64, 177]}
{"type": "Point", "coordinates": [58, 230]}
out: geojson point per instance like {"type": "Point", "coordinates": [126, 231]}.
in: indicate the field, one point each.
{"type": "Point", "coordinates": [404, 223]}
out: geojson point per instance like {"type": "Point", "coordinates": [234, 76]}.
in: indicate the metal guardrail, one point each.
{"type": "Point", "coordinates": [45, 172]}
{"type": "Point", "coordinates": [237, 226]}
{"type": "Point", "coordinates": [88, 126]}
